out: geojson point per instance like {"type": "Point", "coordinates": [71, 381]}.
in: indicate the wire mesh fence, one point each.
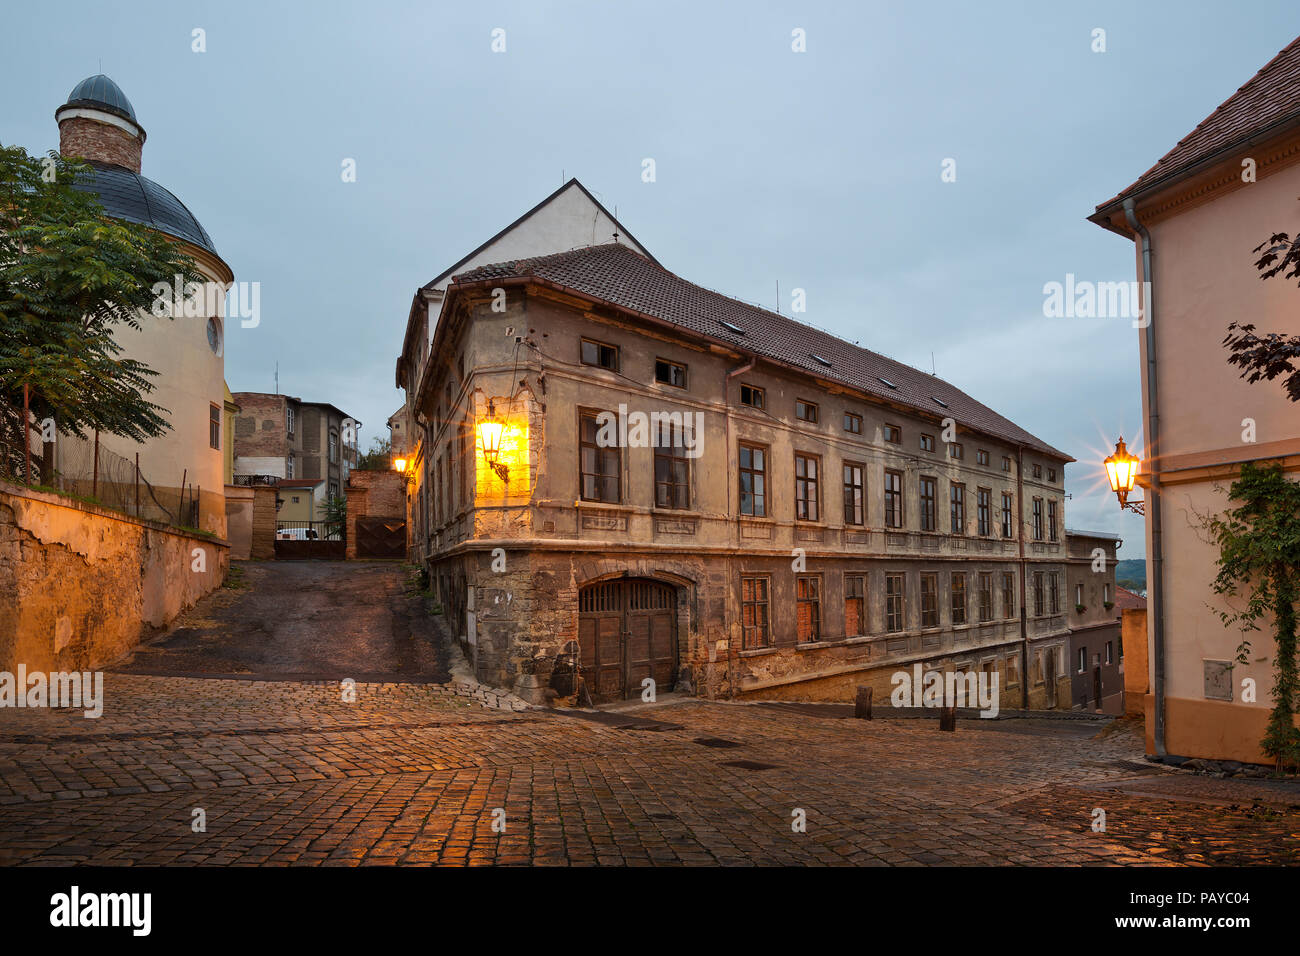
{"type": "Point", "coordinates": [86, 469]}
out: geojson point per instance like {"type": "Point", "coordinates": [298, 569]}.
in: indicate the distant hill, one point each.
{"type": "Point", "coordinates": [1131, 573]}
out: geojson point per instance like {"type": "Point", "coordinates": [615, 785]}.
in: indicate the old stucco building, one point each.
{"type": "Point", "coordinates": [286, 438]}
{"type": "Point", "coordinates": [1194, 219]}
{"type": "Point", "coordinates": [1096, 650]}
{"type": "Point", "coordinates": [824, 517]}
{"type": "Point", "coordinates": [186, 464]}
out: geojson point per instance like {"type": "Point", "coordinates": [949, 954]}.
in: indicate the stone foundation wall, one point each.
{"type": "Point", "coordinates": [82, 585]}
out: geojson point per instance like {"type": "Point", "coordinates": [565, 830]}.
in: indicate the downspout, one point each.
{"type": "Point", "coordinates": [1024, 574]}
{"type": "Point", "coordinates": [733, 663]}
{"type": "Point", "coordinates": [1153, 489]}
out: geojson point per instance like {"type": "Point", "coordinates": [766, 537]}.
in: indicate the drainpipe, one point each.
{"type": "Point", "coordinates": [1153, 490]}
{"type": "Point", "coordinates": [1024, 574]}
{"type": "Point", "coordinates": [733, 662]}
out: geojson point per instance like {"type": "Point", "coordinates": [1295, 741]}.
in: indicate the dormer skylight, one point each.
{"type": "Point", "coordinates": [731, 328]}
{"type": "Point", "coordinates": [887, 382]}
{"type": "Point", "coordinates": [939, 401]}
{"type": "Point", "coordinates": [817, 358]}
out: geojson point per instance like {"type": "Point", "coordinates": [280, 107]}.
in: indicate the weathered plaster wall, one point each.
{"type": "Point", "coordinates": [81, 586]}
{"type": "Point", "coordinates": [239, 521]}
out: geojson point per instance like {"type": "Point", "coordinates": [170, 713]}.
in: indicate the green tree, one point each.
{"type": "Point", "coordinates": [70, 278]}
{"type": "Point", "coordinates": [334, 512]}
{"type": "Point", "coordinates": [379, 456]}
{"type": "Point", "coordinates": [1259, 558]}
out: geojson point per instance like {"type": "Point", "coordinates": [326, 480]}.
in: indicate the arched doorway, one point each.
{"type": "Point", "coordinates": [627, 631]}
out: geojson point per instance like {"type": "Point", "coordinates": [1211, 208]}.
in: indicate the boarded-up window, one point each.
{"type": "Point", "coordinates": [808, 604]}
{"type": "Point", "coordinates": [855, 605]}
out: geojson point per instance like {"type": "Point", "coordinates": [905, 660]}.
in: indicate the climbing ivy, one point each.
{"type": "Point", "coordinates": [1259, 558]}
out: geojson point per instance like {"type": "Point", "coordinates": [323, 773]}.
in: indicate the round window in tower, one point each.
{"type": "Point", "coordinates": [214, 336]}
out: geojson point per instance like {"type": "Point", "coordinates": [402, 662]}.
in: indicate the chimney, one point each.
{"type": "Point", "coordinates": [98, 123]}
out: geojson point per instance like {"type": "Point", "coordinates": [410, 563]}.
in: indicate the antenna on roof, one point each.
{"type": "Point", "coordinates": [932, 371]}
{"type": "Point", "coordinates": [616, 222]}
{"type": "Point", "coordinates": [277, 378]}
{"type": "Point", "coordinates": [778, 296]}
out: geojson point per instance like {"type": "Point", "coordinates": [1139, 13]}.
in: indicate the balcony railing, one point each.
{"type": "Point", "coordinates": [249, 481]}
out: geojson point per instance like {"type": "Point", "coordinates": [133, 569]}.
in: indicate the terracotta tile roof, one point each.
{"type": "Point", "coordinates": [1270, 97]}
{"type": "Point", "coordinates": [616, 274]}
{"type": "Point", "coordinates": [1125, 599]}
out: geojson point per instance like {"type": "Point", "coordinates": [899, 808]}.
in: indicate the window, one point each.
{"type": "Point", "coordinates": [600, 355]}
{"type": "Point", "coordinates": [1105, 593]}
{"type": "Point", "coordinates": [981, 456]}
{"type": "Point", "coordinates": [927, 443]}
{"type": "Point", "coordinates": [753, 396]}
{"type": "Point", "coordinates": [1083, 659]}
{"type": "Point", "coordinates": [958, 598]}
{"type": "Point", "coordinates": [929, 600]}
{"type": "Point", "coordinates": [805, 411]}
{"type": "Point", "coordinates": [805, 487]}
{"type": "Point", "coordinates": [1006, 464]}
{"type": "Point", "coordinates": [853, 423]}
{"type": "Point", "coordinates": [1051, 474]}
{"type": "Point", "coordinates": [334, 447]}
{"type": "Point", "coordinates": [599, 467]}
{"type": "Point", "coordinates": [214, 426]}
{"type": "Point", "coordinates": [295, 498]}
{"type": "Point", "coordinates": [753, 480]}
{"type": "Point", "coordinates": [1007, 526]}
{"type": "Point", "coordinates": [672, 471]}
{"type": "Point", "coordinates": [895, 619]}
{"type": "Point", "coordinates": [853, 494]}
{"type": "Point", "coordinates": [957, 507]}
{"type": "Point", "coordinates": [1038, 594]}
{"type": "Point", "coordinates": [754, 629]}
{"type": "Point", "coordinates": [1110, 652]}
{"type": "Point", "coordinates": [893, 434]}
{"type": "Point", "coordinates": [1008, 594]}
{"type": "Point", "coordinates": [893, 499]}
{"type": "Point", "coordinates": [288, 467]}
{"type": "Point", "coordinates": [807, 592]}
{"type": "Point", "coordinates": [955, 450]}
{"type": "Point", "coordinates": [1051, 521]}
{"type": "Point", "coordinates": [984, 511]}
{"type": "Point", "coordinates": [1078, 595]}
{"type": "Point", "coordinates": [1038, 519]}
{"type": "Point", "coordinates": [986, 596]}
{"type": "Point", "coordinates": [288, 419]}
{"type": "Point", "coordinates": [1054, 592]}
{"type": "Point", "coordinates": [855, 605]}
{"type": "Point", "coordinates": [1038, 471]}
{"type": "Point", "coordinates": [1013, 670]}
{"type": "Point", "coordinates": [928, 506]}
{"type": "Point", "coordinates": [670, 373]}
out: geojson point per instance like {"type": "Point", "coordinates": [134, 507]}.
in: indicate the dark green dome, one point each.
{"type": "Point", "coordinates": [99, 92]}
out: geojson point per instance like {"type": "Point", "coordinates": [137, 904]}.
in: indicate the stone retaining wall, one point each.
{"type": "Point", "coordinates": [80, 585]}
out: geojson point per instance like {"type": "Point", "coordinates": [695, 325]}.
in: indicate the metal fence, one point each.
{"type": "Point", "coordinates": [309, 530]}
{"type": "Point", "coordinates": [84, 468]}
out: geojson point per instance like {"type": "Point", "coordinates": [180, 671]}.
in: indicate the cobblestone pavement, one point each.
{"type": "Point", "coordinates": [286, 772]}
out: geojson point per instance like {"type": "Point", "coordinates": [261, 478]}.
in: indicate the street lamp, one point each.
{"type": "Point", "coordinates": [1121, 470]}
{"type": "Point", "coordinates": [399, 465]}
{"type": "Point", "coordinates": [490, 431]}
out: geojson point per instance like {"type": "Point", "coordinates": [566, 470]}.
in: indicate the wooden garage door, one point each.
{"type": "Point", "coordinates": [627, 631]}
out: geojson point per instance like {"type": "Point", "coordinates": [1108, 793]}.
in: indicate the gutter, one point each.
{"type": "Point", "coordinates": [733, 663]}
{"type": "Point", "coordinates": [1156, 557]}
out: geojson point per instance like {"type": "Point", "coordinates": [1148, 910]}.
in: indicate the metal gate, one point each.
{"type": "Point", "coordinates": [381, 537]}
{"type": "Point", "coordinates": [627, 631]}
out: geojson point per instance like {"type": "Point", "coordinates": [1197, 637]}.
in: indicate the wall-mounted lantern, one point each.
{"type": "Point", "coordinates": [399, 465]}
{"type": "Point", "coordinates": [490, 431]}
{"type": "Point", "coordinates": [1121, 471]}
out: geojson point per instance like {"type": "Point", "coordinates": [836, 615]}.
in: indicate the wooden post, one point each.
{"type": "Point", "coordinates": [27, 433]}
{"type": "Point", "coordinates": [137, 484]}
{"type": "Point", "coordinates": [180, 509]}
{"type": "Point", "coordinates": [94, 481]}
{"type": "Point", "coordinates": [862, 707]}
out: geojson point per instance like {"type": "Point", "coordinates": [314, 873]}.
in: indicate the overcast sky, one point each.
{"type": "Point", "coordinates": [818, 170]}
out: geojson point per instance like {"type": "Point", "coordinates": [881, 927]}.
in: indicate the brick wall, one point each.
{"type": "Point", "coordinates": [259, 426]}
{"type": "Point", "coordinates": [386, 492]}
{"type": "Point", "coordinates": [263, 543]}
{"type": "Point", "coordinates": [89, 139]}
